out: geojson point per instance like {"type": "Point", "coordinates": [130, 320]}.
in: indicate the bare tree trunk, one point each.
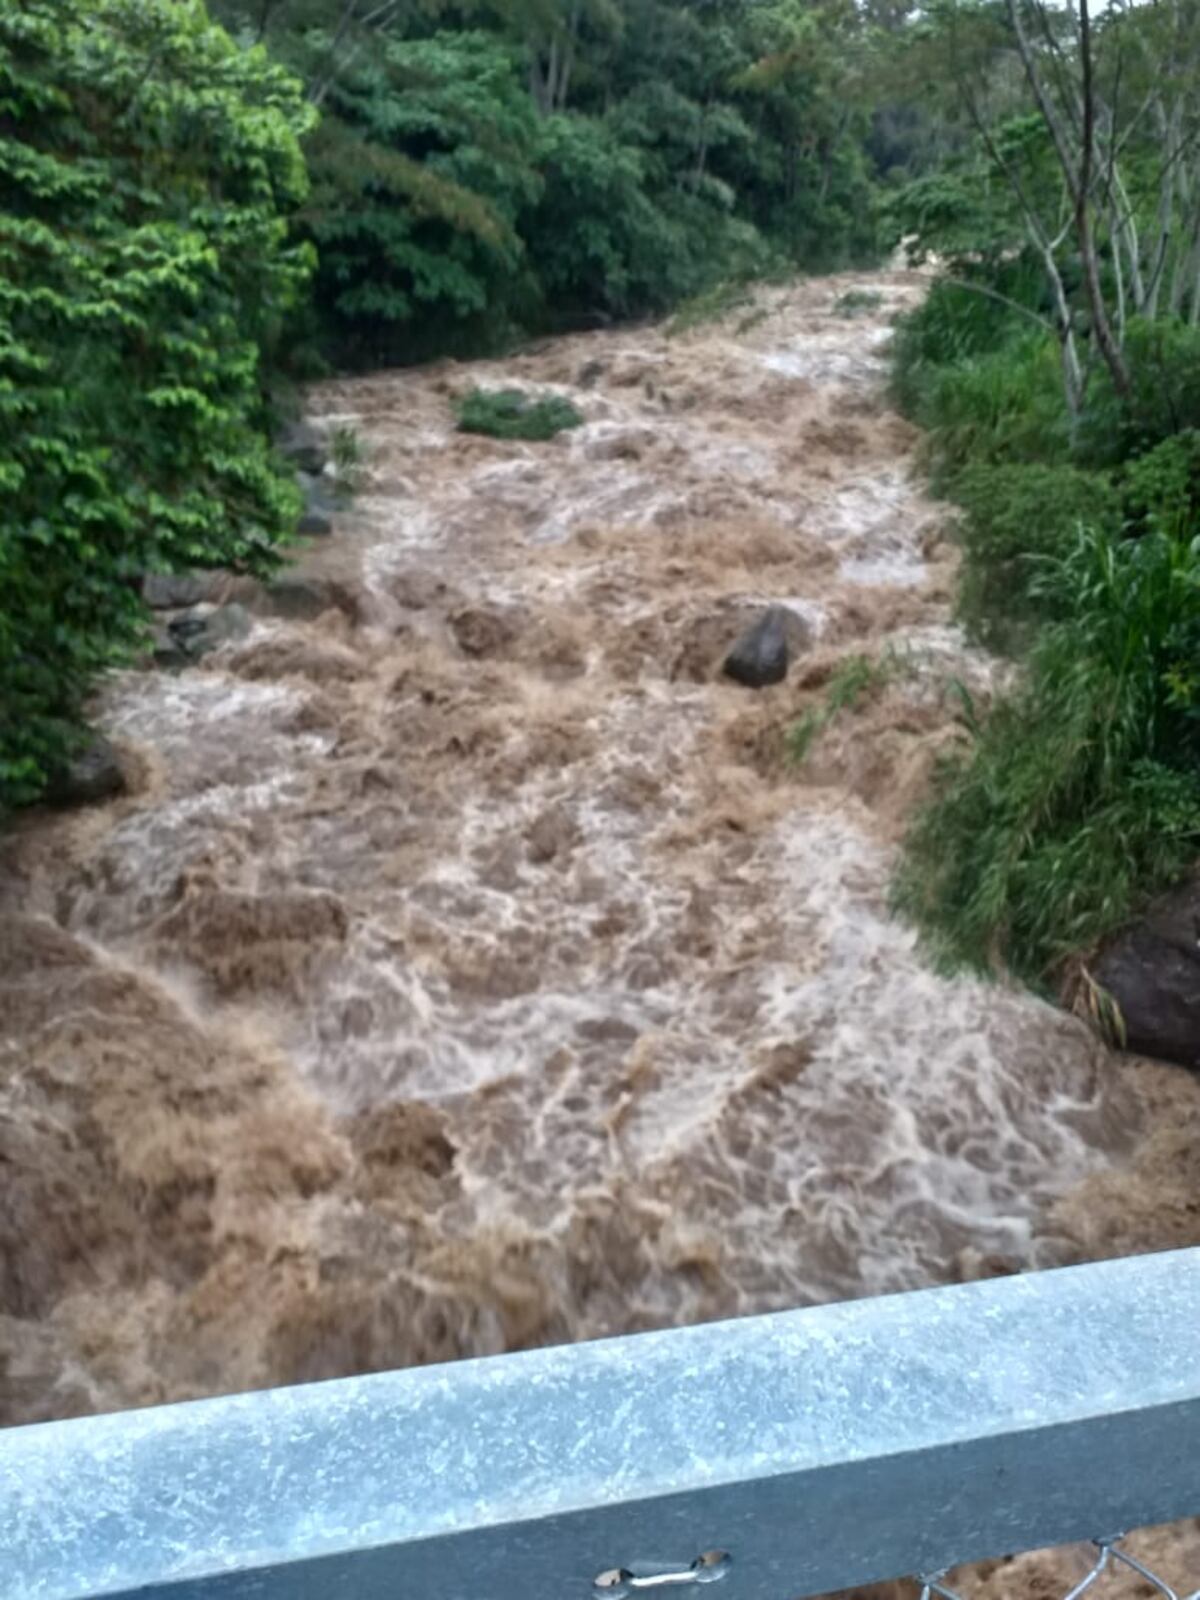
{"type": "Point", "coordinates": [1171, 131]}
{"type": "Point", "coordinates": [701, 150]}
{"type": "Point", "coordinates": [264, 19]}
{"type": "Point", "coordinates": [1125, 237]}
{"type": "Point", "coordinates": [1073, 379]}
{"type": "Point", "coordinates": [323, 79]}
{"type": "Point", "coordinates": [568, 58]}
{"type": "Point", "coordinates": [1118, 274]}
{"type": "Point", "coordinates": [830, 153]}
{"type": "Point", "coordinates": [1079, 170]}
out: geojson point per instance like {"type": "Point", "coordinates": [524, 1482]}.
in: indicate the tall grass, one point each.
{"type": "Point", "coordinates": [1013, 517]}
{"type": "Point", "coordinates": [1080, 792]}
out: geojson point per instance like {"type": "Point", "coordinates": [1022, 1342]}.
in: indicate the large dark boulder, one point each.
{"type": "Point", "coordinates": [1152, 971]}
{"type": "Point", "coordinates": [93, 774]}
{"type": "Point", "coordinates": [760, 656]}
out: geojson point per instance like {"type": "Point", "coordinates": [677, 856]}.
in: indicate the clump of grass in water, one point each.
{"type": "Point", "coordinates": [512, 414]}
{"type": "Point", "coordinates": [852, 679]}
{"type": "Point", "coordinates": [753, 319]}
{"type": "Point", "coordinates": [709, 306]}
{"type": "Point", "coordinates": [857, 303]}
{"type": "Point", "coordinates": [347, 452]}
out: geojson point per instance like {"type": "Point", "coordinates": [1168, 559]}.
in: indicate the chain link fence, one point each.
{"type": "Point", "coordinates": [1110, 1555]}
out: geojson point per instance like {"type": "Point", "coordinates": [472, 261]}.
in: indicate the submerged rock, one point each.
{"type": "Point", "coordinates": [303, 446]}
{"type": "Point", "coordinates": [316, 520]}
{"type": "Point", "coordinates": [1152, 971]}
{"type": "Point", "coordinates": [93, 774]}
{"type": "Point", "coordinates": [760, 657]}
{"type": "Point", "coordinates": [164, 591]}
{"type": "Point", "coordinates": [483, 631]}
{"type": "Point", "coordinates": [203, 628]}
{"type": "Point", "coordinates": [302, 598]}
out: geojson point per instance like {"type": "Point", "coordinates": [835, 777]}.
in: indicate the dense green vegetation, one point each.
{"type": "Point", "coordinates": [204, 202]}
{"type": "Point", "coordinates": [148, 170]}
{"type": "Point", "coordinates": [485, 168]}
{"type": "Point", "coordinates": [1056, 369]}
{"type": "Point", "coordinates": [512, 414]}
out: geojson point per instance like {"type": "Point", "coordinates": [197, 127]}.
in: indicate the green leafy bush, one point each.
{"type": "Point", "coordinates": [1080, 792]}
{"type": "Point", "coordinates": [146, 167]}
{"type": "Point", "coordinates": [513, 414]}
{"type": "Point", "coordinates": [999, 408]}
{"type": "Point", "coordinates": [1014, 516]}
{"type": "Point", "coordinates": [602, 243]}
{"type": "Point", "coordinates": [1164, 362]}
{"type": "Point", "coordinates": [422, 164]}
{"type": "Point", "coordinates": [1162, 488]}
{"type": "Point", "coordinates": [958, 322]}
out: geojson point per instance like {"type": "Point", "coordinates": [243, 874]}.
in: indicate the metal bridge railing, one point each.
{"type": "Point", "coordinates": [778, 1456]}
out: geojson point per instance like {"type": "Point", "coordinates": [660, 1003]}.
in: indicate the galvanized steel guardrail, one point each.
{"type": "Point", "coordinates": [777, 1456]}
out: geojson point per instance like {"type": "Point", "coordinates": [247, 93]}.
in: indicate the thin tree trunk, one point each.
{"type": "Point", "coordinates": [1119, 275]}
{"type": "Point", "coordinates": [568, 58]}
{"type": "Point", "coordinates": [701, 150]}
{"type": "Point", "coordinates": [323, 80]}
{"type": "Point", "coordinates": [264, 18]}
{"type": "Point", "coordinates": [1078, 172]}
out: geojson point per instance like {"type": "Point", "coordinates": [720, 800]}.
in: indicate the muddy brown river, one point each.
{"type": "Point", "coordinates": [471, 966]}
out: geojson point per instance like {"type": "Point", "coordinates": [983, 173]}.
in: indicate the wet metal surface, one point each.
{"type": "Point", "coordinates": [817, 1448]}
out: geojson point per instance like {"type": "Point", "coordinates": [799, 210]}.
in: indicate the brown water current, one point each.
{"type": "Point", "coordinates": [471, 967]}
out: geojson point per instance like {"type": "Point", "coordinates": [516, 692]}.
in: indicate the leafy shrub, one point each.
{"type": "Point", "coordinates": [1080, 792]}
{"type": "Point", "coordinates": [958, 322]}
{"type": "Point", "coordinates": [1014, 516]}
{"type": "Point", "coordinates": [999, 408]}
{"type": "Point", "coordinates": [1164, 363]}
{"type": "Point", "coordinates": [512, 414]}
{"type": "Point", "coordinates": [147, 166]}
{"type": "Point", "coordinates": [1162, 488]}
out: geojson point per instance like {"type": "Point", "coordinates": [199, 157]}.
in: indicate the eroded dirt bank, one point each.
{"type": "Point", "coordinates": [470, 967]}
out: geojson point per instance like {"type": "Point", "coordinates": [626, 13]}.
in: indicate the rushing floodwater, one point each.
{"type": "Point", "coordinates": [471, 967]}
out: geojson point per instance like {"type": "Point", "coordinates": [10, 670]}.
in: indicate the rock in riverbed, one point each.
{"type": "Point", "coordinates": [760, 657]}
{"type": "Point", "coordinates": [194, 633]}
{"type": "Point", "coordinates": [93, 774]}
{"type": "Point", "coordinates": [1152, 971]}
{"type": "Point", "coordinates": [165, 591]}
{"type": "Point", "coordinates": [316, 520]}
{"type": "Point", "coordinates": [304, 447]}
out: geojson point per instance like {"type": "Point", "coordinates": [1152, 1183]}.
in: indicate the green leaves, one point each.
{"type": "Point", "coordinates": [421, 168]}
{"type": "Point", "coordinates": [148, 167]}
{"type": "Point", "coordinates": [513, 414]}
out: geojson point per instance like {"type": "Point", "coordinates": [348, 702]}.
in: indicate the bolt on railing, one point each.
{"type": "Point", "coordinates": [779, 1456]}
